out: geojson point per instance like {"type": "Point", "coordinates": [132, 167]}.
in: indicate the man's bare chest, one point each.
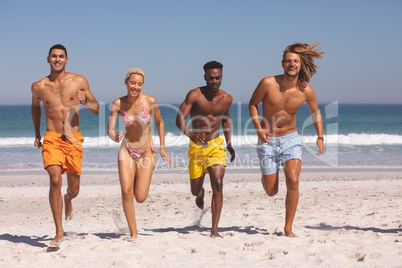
{"type": "Point", "coordinates": [65, 95]}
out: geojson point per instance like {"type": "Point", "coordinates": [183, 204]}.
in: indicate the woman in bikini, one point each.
{"type": "Point", "coordinates": [137, 153]}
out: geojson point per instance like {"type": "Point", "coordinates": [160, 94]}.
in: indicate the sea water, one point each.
{"type": "Point", "coordinates": [356, 135]}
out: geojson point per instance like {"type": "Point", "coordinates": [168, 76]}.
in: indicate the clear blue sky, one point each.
{"type": "Point", "coordinates": [171, 41]}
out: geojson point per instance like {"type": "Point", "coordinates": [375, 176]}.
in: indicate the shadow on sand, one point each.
{"type": "Point", "coordinates": [195, 228]}
{"type": "Point", "coordinates": [326, 227]}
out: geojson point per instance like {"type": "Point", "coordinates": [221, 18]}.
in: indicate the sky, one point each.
{"type": "Point", "coordinates": [171, 41]}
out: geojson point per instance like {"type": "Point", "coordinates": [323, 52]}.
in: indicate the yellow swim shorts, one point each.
{"type": "Point", "coordinates": [63, 150]}
{"type": "Point", "coordinates": [200, 157]}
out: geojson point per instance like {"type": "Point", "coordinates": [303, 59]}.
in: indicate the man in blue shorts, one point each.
{"type": "Point", "coordinates": [279, 144]}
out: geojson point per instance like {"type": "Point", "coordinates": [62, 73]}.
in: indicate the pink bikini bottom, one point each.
{"type": "Point", "coordinates": [136, 154]}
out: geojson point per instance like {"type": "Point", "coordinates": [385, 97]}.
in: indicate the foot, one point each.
{"type": "Point", "coordinates": [130, 239]}
{"type": "Point", "coordinates": [68, 208]}
{"type": "Point", "coordinates": [215, 235]}
{"type": "Point", "coordinates": [199, 200]}
{"type": "Point", "coordinates": [290, 234]}
{"type": "Point", "coordinates": [57, 241]}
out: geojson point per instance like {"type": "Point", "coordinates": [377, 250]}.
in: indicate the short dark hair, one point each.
{"type": "Point", "coordinates": [213, 65]}
{"type": "Point", "coordinates": [58, 46]}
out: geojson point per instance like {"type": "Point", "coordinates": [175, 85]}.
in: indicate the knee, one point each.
{"type": "Point", "coordinates": [292, 183]}
{"type": "Point", "coordinates": [73, 192]}
{"type": "Point", "coordinates": [55, 183]}
{"type": "Point", "coordinates": [271, 192]}
{"type": "Point", "coordinates": [194, 191]}
{"type": "Point", "coordinates": [127, 194]}
{"type": "Point", "coordinates": [270, 189]}
{"type": "Point", "coordinates": [140, 198]}
{"type": "Point", "coordinates": [218, 183]}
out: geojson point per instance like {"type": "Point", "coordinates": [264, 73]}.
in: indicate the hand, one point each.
{"type": "Point", "coordinates": [37, 142]}
{"type": "Point", "coordinates": [263, 135]}
{"type": "Point", "coordinates": [198, 138]}
{"type": "Point", "coordinates": [119, 136]}
{"type": "Point", "coordinates": [320, 144]}
{"type": "Point", "coordinates": [165, 156]}
{"type": "Point", "coordinates": [231, 151]}
{"type": "Point", "coordinates": [81, 96]}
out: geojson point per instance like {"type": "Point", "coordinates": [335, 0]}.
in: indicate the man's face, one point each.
{"type": "Point", "coordinates": [57, 60]}
{"type": "Point", "coordinates": [213, 77]}
{"type": "Point", "coordinates": [291, 64]}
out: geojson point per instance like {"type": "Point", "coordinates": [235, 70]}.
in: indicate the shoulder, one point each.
{"type": "Point", "coordinates": [268, 82]}
{"type": "Point", "coordinates": [307, 91]}
{"type": "Point", "coordinates": [147, 98]}
{"type": "Point", "coordinates": [38, 85]}
{"type": "Point", "coordinates": [305, 88]}
{"type": "Point", "coordinates": [118, 104]}
{"type": "Point", "coordinates": [225, 96]}
{"type": "Point", "coordinates": [193, 95]}
{"type": "Point", "coordinates": [195, 91]}
{"type": "Point", "coordinates": [76, 78]}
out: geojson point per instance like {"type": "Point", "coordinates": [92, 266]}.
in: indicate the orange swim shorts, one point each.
{"type": "Point", "coordinates": [63, 150]}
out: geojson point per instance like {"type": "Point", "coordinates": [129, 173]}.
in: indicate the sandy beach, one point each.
{"type": "Point", "coordinates": [344, 219]}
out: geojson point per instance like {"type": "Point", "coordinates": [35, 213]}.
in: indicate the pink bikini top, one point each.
{"type": "Point", "coordinates": [144, 119]}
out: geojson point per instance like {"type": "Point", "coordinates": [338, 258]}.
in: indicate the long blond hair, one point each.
{"type": "Point", "coordinates": [307, 53]}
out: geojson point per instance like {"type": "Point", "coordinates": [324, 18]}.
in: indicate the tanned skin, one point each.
{"type": "Point", "coordinates": [281, 97]}
{"type": "Point", "coordinates": [208, 107]}
{"type": "Point", "coordinates": [61, 94]}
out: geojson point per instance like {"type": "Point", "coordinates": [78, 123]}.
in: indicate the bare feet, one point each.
{"type": "Point", "coordinates": [57, 241]}
{"type": "Point", "coordinates": [68, 208]}
{"type": "Point", "coordinates": [290, 234]}
{"type": "Point", "coordinates": [130, 239]}
{"type": "Point", "coordinates": [215, 235]}
{"type": "Point", "coordinates": [199, 200]}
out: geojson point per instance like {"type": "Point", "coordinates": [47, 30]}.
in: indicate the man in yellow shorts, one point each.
{"type": "Point", "coordinates": [203, 156]}
{"type": "Point", "coordinates": [208, 107]}
{"type": "Point", "coordinates": [62, 94]}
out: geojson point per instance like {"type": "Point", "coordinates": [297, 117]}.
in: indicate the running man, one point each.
{"type": "Point", "coordinates": [281, 96]}
{"type": "Point", "coordinates": [208, 107]}
{"type": "Point", "coordinates": [62, 94]}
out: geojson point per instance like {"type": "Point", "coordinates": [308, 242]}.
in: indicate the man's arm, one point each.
{"type": "Point", "coordinates": [316, 116]}
{"type": "Point", "coordinates": [258, 95]}
{"type": "Point", "coordinates": [182, 114]}
{"type": "Point", "coordinates": [86, 97]}
{"type": "Point", "coordinates": [36, 116]}
{"type": "Point", "coordinates": [227, 129]}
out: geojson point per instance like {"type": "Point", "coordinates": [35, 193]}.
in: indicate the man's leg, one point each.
{"type": "Point", "coordinates": [198, 191]}
{"type": "Point", "coordinates": [270, 183]}
{"type": "Point", "coordinates": [216, 174]}
{"type": "Point", "coordinates": [292, 171]}
{"type": "Point", "coordinates": [56, 202]}
{"type": "Point", "coordinates": [73, 182]}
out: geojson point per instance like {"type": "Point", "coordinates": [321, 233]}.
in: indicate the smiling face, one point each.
{"type": "Point", "coordinates": [213, 77]}
{"type": "Point", "coordinates": [134, 85]}
{"type": "Point", "coordinates": [57, 60]}
{"type": "Point", "coordinates": [291, 64]}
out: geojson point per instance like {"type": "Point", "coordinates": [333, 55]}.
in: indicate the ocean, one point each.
{"type": "Point", "coordinates": [356, 136]}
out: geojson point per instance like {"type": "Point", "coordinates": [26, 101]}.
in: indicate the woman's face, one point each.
{"type": "Point", "coordinates": [134, 85]}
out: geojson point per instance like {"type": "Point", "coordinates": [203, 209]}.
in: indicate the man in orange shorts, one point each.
{"type": "Point", "coordinates": [62, 94]}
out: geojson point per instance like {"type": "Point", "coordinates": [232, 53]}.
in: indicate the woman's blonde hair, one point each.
{"type": "Point", "coordinates": [134, 71]}
{"type": "Point", "coordinates": [307, 53]}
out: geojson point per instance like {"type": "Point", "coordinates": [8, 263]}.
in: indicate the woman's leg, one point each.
{"type": "Point", "coordinates": [145, 167]}
{"type": "Point", "coordinates": [126, 174]}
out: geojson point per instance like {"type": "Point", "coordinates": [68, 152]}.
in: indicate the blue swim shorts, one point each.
{"type": "Point", "coordinates": [280, 150]}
